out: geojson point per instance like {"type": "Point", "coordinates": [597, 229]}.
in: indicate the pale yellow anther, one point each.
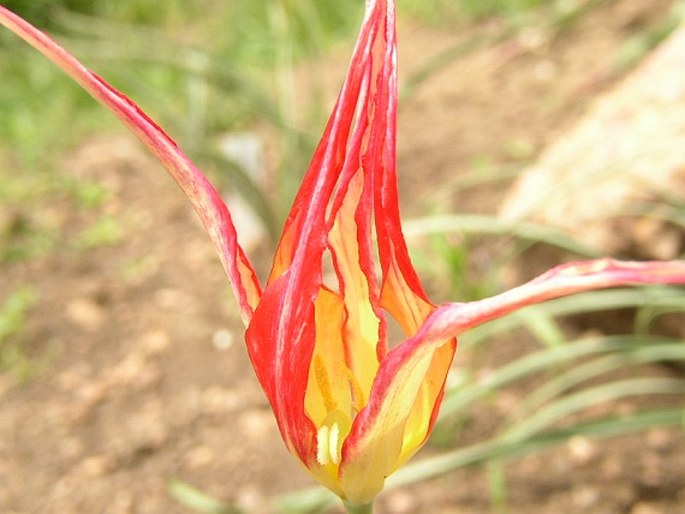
{"type": "Point", "coordinates": [327, 441]}
{"type": "Point", "coordinates": [322, 445]}
{"type": "Point", "coordinates": [333, 440]}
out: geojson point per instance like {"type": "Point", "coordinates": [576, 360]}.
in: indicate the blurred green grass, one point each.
{"type": "Point", "coordinates": [231, 69]}
{"type": "Point", "coordinates": [253, 40]}
{"type": "Point", "coordinates": [13, 317]}
{"type": "Point", "coordinates": [228, 70]}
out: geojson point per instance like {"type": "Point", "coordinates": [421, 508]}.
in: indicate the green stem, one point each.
{"type": "Point", "coordinates": [359, 509]}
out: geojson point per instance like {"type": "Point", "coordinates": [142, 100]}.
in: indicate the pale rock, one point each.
{"type": "Point", "coordinates": [581, 450]}
{"type": "Point", "coordinates": [155, 342]}
{"type": "Point", "coordinates": [223, 339]}
{"type": "Point", "coordinates": [134, 371]}
{"type": "Point", "coordinates": [172, 298]}
{"type": "Point", "coordinates": [246, 150]}
{"type": "Point", "coordinates": [256, 424]}
{"type": "Point", "coordinates": [659, 439]}
{"type": "Point", "coordinates": [646, 508]}
{"type": "Point", "coordinates": [400, 502]}
{"type": "Point", "coordinates": [200, 456]}
{"type": "Point", "coordinates": [123, 503]}
{"type": "Point", "coordinates": [96, 466]}
{"type": "Point", "coordinates": [625, 152]}
{"type": "Point", "coordinates": [585, 497]}
{"type": "Point", "coordinates": [217, 400]}
{"type": "Point", "coordinates": [86, 314]}
{"type": "Point", "coordinates": [250, 498]}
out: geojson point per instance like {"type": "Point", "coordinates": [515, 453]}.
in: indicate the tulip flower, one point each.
{"type": "Point", "coordinates": [349, 407]}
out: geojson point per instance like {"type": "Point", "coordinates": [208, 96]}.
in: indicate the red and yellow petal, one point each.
{"type": "Point", "coordinates": [398, 418]}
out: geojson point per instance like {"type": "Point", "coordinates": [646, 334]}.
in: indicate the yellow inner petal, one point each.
{"type": "Point", "coordinates": [361, 328]}
{"type": "Point", "coordinates": [328, 386]}
{"type": "Point", "coordinates": [344, 361]}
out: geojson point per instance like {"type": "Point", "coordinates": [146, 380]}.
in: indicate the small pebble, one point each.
{"type": "Point", "coordinates": [200, 456]}
{"type": "Point", "coordinates": [96, 466]}
{"type": "Point", "coordinates": [155, 342]}
{"type": "Point", "coordinates": [585, 497]}
{"type": "Point", "coordinates": [645, 508]}
{"type": "Point", "coordinates": [223, 339]}
{"type": "Point", "coordinates": [581, 450]}
{"type": "Point", "coordinates": [85, 314]}
{"type": "Point", "coordinates": [400, 502]}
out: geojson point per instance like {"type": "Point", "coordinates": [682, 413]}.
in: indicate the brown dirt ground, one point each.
{"type": "Point", "coordinates": [134, 390]}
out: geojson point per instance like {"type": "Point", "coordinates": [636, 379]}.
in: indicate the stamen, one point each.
{"type": "Point", "coordinates": [358, 397]}
{"type": "Point", "coordinates": [322, 451]}
{"type": "Point", "coordinates": [321, 376]}
{"type": "Point", "coordinates": [333, 436]}
{"type": "Point", "coordinates": [327, 440]}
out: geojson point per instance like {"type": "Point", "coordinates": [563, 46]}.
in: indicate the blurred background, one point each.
{"type": "Point", "coordinates": [531, 133]}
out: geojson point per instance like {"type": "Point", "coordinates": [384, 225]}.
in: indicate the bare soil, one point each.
{"type": "Point", "coordinates": [141, 375]}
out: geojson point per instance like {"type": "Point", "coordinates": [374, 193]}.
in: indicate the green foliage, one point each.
{"type": "Point", "coordinates": [33, 132]}
{"type": "Point", "coordinates": [198, 500]}
{"type": "Point", "coordinates": [41, 12]}
{"type": "Point", "coordinates": [87, 195]}
{"type": "Point", "coordinates": [105, 231]}
{"type": "Point", "coordinates": [260, 28]}
{"type": "Point", "coordinates": [438, 11]}
{"type": "Point", "coordinates": [23, 239]}
{"type": "Point", "coordinates": [21, 234]}
{"type": "Point", "coordinates": [31, 208]}
{"type": "Point", "coordinates": [13, 314]}
{"type": "Point", "coordinates": [36, 11]}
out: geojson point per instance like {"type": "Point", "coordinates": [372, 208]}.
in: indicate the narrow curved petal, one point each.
{"type": "Point", "coordinates": [206, 201]}
{"type": "Point", "coordinates": [452, 319]}
{"type": "Point", "coordinates": [405, 421]}
{"type": "Point", "coordinates": [372, 448]}
{"type": "Point", "coordinates": [329, 222]}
